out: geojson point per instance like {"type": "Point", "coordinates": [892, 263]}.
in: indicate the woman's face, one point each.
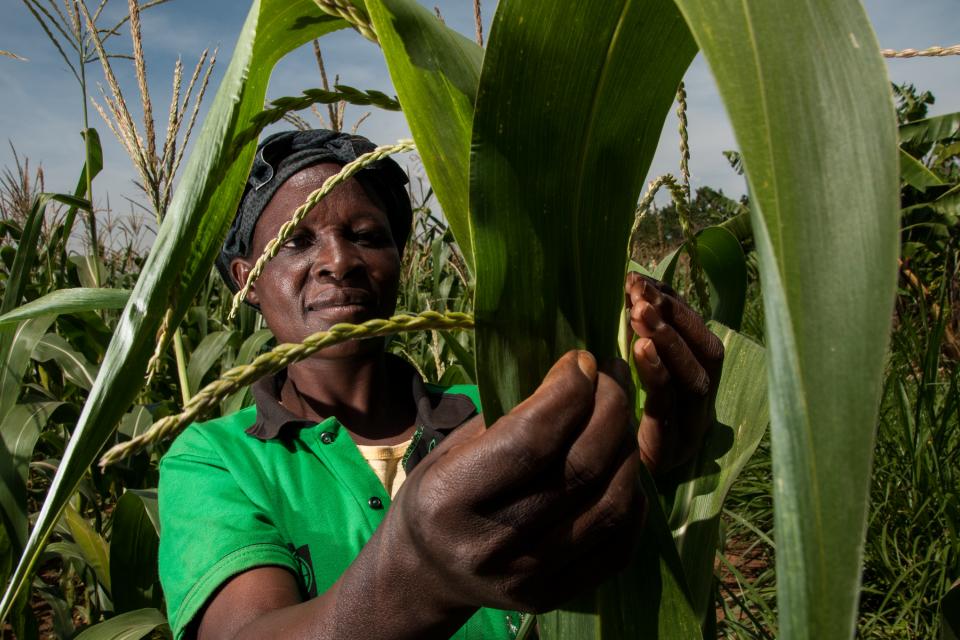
{"type": "Point", "coordinates": [340, 264]}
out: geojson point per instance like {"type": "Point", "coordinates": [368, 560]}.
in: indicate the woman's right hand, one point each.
{"type": "Point", "coordinates": [521, 516]}
{"type": "Point", "coordinates": [538, 507]}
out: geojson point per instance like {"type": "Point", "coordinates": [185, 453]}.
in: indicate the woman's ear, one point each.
{"type": "Point", "coordinates": [240, 270]}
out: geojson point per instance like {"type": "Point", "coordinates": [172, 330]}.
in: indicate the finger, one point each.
{"type": "Point", "coordinates": [655, 379]}
{"type": "Point", "coordinates": [672, 349]}
{"type": "Point", "coordinates": [608, 436]}
{"type": "Point", "coordinates": [595, 542]}
{"type": "Point", "coordinates": [540, 429]}
{"type": "Point", "coordinates": [572, 481]}
{"type": "Point", "coordinates": [706, 347]}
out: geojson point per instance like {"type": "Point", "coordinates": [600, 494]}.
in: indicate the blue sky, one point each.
{"type": "Point", "coordinates": [41, 109]}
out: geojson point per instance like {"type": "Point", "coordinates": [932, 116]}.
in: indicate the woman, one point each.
{"type": "Point", "coordinates": [275, 519]}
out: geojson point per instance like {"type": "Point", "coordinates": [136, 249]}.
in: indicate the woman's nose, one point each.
{"type": "Point", "coordinates": [336, 258]}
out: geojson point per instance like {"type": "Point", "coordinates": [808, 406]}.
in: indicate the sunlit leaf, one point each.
{"type": "Point", "coordinates": [929, 130]}
{"type": "Point", "coordinates": [16, 345]}
{"type": "Point", "coordinates": [68, 301]}
{"type": "Point", "coordinates": [19, 432]}
{"type": "Point", "coordinates": [916, 174]}
{"type": "Point", "coordinates": [808, 96]}
{"type": "Point", "coordinates": [552, 200]}
{"type": "Point", "coordinates": [91, 545]}
{"type": "Point", "coordinates": [90, 270]}
{"type": "Point", "coordinates": [132, 625]}
{"type": "Point", "coordinates": [435, 71]}
{"type": "Point", "coordinates": [74, 366]}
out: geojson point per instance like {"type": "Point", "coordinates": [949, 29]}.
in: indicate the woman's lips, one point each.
{"type": "Point", "coordinates": [341, 301]}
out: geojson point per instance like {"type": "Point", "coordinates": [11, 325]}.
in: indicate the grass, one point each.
{"type": "Point", "coordinates": [912, 553]}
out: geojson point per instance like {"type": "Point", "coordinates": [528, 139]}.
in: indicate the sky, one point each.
{"type": "Point", "coordinates": [41, 109]}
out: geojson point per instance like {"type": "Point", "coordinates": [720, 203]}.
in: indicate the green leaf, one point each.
{"type": "Point", "coordinates": [187, 242]}
{"type": "Point", "coordinates": [249, 350]}
{"type": "Point", "coordinates": [208, 353]}
{"type": "Point", "coordinates": [16, 345]}
{"type": "Point", "coordinates": [725, 267]}
{"type": "Point", "coordinates": [936, 129]}
{"type": "Point", "coordinates": [133, 555]}
{"type": "Point", "coordinates": [808, 96]}
{"type": "Point", "coordinates": [75, 367]}
{"type": "Point", "coordinates": [91, 545]}
{"type": "Point", "coordinates": [462, 354]}
{"type": "Point", "coordinates": [916, 174]}
{"type": "Point", "coordinates": [556, 170]}
{"type": "Point", "coordinates": [68, 301]}
{"type": "Point", "coordinates": [19, 432]}
{"type": "Point", "coordinates": [742, 418]}
{"type": "Point", "coordinates": [552, 195]}
{"type": "Point", "coordinates": [435, 71]}
{"type": "Point", "coordinates": [948, 204]}
{"type": "Point", "coordinates": [148, 497]}
{"type": "Point", "coordinates": [90, 270]}
{"type": "Point", "coordinates": [135, 421]}
{"type": "Point", "coordinates": [93, 164]}
{"type": "Point", "coordinates": [132, 625]}
{"type": "Point", "coordinates": [26, 254]}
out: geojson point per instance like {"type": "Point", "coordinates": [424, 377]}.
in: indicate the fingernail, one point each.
{"type": "Point", "coordinates": [650, 354]}
{"type": "Point", "coordinates": [587, 364]}
{"type": "Point", "coordinates": [650, 316]}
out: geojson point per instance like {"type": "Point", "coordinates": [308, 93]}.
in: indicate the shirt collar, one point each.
{"type": "Point", "coordinates": [436, 411]}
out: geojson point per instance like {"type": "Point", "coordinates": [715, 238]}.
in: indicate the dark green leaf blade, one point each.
{"type": "Point", "coordinates": [553, 196]}
{"type": "Point", "coordinates": [807, 93]}
{"type": "Point", "coordinates": [74, 365]}
{"type": "Point", "coordinates": [556, 171]}
{"type": "Point", "coordinates": [725, 266]}
{"type": "Point", "coordinates": [133, 556]}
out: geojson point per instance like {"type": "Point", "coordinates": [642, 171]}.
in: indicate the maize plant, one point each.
{"type": "Point", "coordinates": [537, 148]}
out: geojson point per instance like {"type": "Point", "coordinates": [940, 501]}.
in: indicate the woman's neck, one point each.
{"type": "Point", "coordinates": [369, 394]}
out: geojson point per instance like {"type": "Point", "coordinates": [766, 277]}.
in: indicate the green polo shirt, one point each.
{"type": "Point", "coordinates": [261, 487]}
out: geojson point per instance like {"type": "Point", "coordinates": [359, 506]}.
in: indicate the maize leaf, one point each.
{"type": "Point", "coordinates": [435, 71]}
{"type": "Point", "coordinates": [807, 92]}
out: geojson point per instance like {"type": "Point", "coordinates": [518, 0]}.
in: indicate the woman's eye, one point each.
{"type": "Point", "coordinates": [297, 241]}
{"type": "Point", "coordinates": [369, 237]}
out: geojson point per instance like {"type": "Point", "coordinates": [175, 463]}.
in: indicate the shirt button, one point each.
{"type": "Point", "coordinates": [326, 437]}
{"type": "Point", "coordinates": [375, 503]}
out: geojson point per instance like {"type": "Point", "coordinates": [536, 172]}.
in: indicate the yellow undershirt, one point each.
{"type": "Point", "coordinates": [385, 462]}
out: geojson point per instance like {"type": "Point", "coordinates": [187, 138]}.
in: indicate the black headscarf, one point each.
{"type": "Point", "coordinates": [283, 154]}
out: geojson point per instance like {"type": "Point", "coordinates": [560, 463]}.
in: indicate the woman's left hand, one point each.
{"type": "Point", "coordinates": [679, 362]}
